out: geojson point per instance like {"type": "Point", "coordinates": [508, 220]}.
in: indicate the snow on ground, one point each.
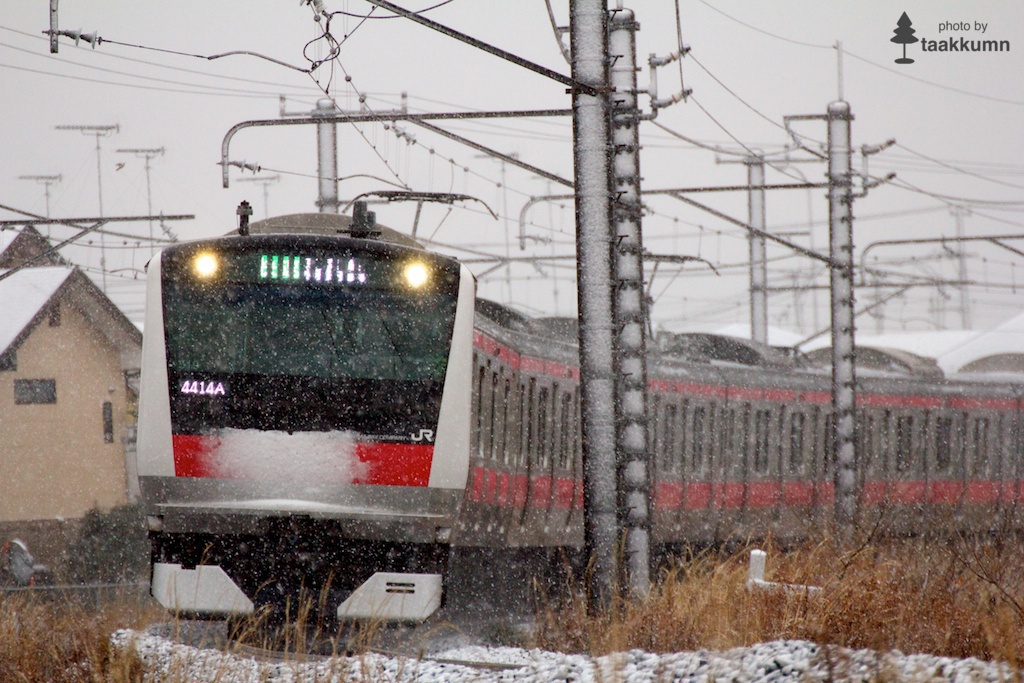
{"type": "Point", "coordinates": [167, 661]}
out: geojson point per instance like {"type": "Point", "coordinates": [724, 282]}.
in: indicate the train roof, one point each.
{"type": "Point", "coordinates": [883, 360]}
{"type": "Point", "coordinates": [699, 348]}
{"type": "Point", "coordinates": [715, 348]}
{"type": "Point", "coordinates": [328, 224]}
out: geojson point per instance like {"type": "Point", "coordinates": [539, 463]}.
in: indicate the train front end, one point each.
{"type": "Point", "coordinates": [304, 425]}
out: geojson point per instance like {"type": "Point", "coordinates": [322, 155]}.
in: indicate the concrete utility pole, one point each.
{"type": "Point", "coordinates": [99, 132]}
{"type": "Point", "coordinates": [327, 155]}
{"type": "Point", "coordinates": [758, 251]}
{"type": "Point", "coordinates": [961, 272]}
{"type": "Point", "coordinates": [588, 34]}
{"type": "Point", "coordinates": [840, 213]}
{"type": "Point", "coordinates": [147, 155]}
{"type": "Point", "coordinates": [630, 308]}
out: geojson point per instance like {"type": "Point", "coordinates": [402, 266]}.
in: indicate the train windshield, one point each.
{"type": "Point", "coordinates": [318, 337]}
{"type": "Point", "coordinates": [282, 330]}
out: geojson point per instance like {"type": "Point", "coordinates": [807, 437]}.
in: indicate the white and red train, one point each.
{"type": "Point", "coordinates": [327, 410]}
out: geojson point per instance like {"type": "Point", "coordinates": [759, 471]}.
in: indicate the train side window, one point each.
{"type": "Point", "coordinates": [980, 444]}
{"type": "Point", "coordinates": [478, 407]}
{"type": "Point", "coordinates": [762, 421]}
{"type": "Point", "coordinates": [742, 446]}
{"type": "Point", "coordinates": [564, 442]}
{"type": "Point", "coordinates": [796, 442]}
{"type": "Point", "coordinates": [697, 457]}
{"type": "Point", "coordinates": [866, 435]}
{"type": "Point", "coordinates": [492, 425]}
{"type": "Point", "coordinates": [829, 442]}
{"type": "Point", "coordinates": [999, 443]}
{"type": "Point", "coordinates": [577, 432]}
{"type": "Point", "coordinates": [943, 442]}
{"type": "Point", "coordinates": [886, 439]}
{"type": "Point", "coordinates": [729, 442]}
{"type": "Point", "coordinates": [502, 395]}
{"type": "Point", "coordinates": [711, 442]}
{"type": "Point", "coordinates": [530, 426]}
{"type": "Point", "coordinates": [904, 442]}
{"type": "Point", "coordinates": [668, 437]}
{"type": "Point", "coordinates": [654, 426]}
{"type": "Point", "coordinates": [681, 438]}
{"type": "Point", "coordinates": [515, 427]}
{"type": "Point", "coordinates": [543, 427]}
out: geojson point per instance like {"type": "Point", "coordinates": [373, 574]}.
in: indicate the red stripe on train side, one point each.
{"type": "Point", "coordinates": [798, 493]}
{"type": "Point", "coordinates": [972, 403]}
{"type": "Point", "coordinates": [729, 495]}
{"type": "Point", "coordinates": [668, 495]}
{"type": "Point", "coordinates": [193, 455]}
{"type": "Point", "coordinates": [504, 488]}
{"type": "Point", "coordinates": [383, 464]}
{"type": "Point", "coordinates": [491, 494]}
{"type": "Point", "coordinates": [908, 492]}
{"type": "Point", "coordinates": [510, 357]}
{"type": "Point", "coordinates": [899, 400]}
{"type": "Point", "coordinates": [669, 386]}
{"type": "Point", "coordinates": [476, 489]}
{"type": "Point", "coordinates": [698, 495]}
{"type": "Point", "coordinates": [944, 491]}
{"type": "Point", "coordinates": [541, 494]}
{"type": "Point", "coordinates": [763, 494]}
{"type": "Point", "coordinates": [521, 489]}
{"type": "Point", "coordinates": [565, 488]}
{"type": "Point", "coordinates": [761, 394]}
{"type": "Point", "coordinates": [395, 464]}
{"type": "Point", "coordinates": [982, 492]}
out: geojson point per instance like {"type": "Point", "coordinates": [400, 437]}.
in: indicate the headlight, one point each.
{"type": "Point", "coordinates": [205, 265]}
{"type": "Point", "coordinates": [416, 274]}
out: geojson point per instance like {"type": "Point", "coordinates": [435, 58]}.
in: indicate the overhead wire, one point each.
{"type": "Point", "coordinates": [902, 74]}
{"type": "Point", "coordinates": [134, 60]}
{"type": "Point", "coordinates": [959, 169]}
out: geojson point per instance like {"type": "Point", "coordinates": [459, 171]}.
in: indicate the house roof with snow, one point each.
{"type": "Point", "coordinates": [26, 245]}
{"type": "Point", "coordinates": [26, 297]}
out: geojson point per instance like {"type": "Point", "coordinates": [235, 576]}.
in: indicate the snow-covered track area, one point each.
{"type": "Point", "coordinates": [166, 661]}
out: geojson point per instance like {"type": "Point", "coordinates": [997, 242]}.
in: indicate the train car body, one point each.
{"type": "Point", "coordinates": [304, 421]}
{"type": "Point", "coordinates": [318, 419]}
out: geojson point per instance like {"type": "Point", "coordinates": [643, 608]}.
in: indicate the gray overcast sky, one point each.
{"type": "Point", "coordinates": [956, 116]}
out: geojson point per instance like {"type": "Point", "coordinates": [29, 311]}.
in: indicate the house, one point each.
{"type": "Point", "coordinates": [68, 361]}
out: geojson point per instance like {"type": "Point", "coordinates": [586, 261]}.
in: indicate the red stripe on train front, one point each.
{"type": "Point", "coordinates": [383, 464]}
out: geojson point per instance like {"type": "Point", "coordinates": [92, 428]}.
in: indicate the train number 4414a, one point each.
{"type": "Point", "coordinates": [203, 388]}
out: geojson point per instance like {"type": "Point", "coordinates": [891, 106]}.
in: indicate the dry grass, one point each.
{"type": "Point", "coordinates": [47, 639]}
{"type": "Point", "coordinates": [959, 598]}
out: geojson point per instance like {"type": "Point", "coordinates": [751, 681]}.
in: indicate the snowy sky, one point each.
{"type": "Point", "coordinates": [956, 116]}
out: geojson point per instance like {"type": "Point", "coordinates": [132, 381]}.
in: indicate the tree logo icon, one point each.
{"type": "Point", "coordinates": [905, 35]}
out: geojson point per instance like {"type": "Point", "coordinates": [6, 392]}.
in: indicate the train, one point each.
{"type": "Point", "coordinates": [327, 412]}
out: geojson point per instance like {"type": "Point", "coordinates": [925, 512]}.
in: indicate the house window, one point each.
{"type": "Point", "coordinates": [108, 422]}
{"type": "Point", "coordinates": [28, 391]}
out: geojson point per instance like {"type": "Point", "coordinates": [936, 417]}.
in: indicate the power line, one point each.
{"type": "Point", "coordinates": [958, 169]}
{"type": "Point", "coordinates": [133, 60]}
{"type": "Point", "coordinates": [136, 86]}
{"type": "Point", "coordinates": [767, 33]}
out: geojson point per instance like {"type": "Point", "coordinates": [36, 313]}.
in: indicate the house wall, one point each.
{"type": "Point", "coordinates": [54, 462]}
